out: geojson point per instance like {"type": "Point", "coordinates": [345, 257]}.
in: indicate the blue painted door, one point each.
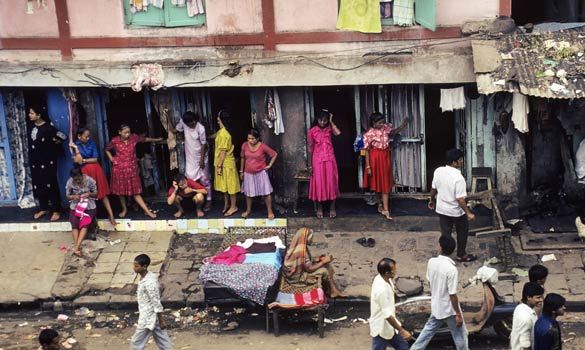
{"type": "Point", "coordinates": [59, 114]}
{"type": "Point", "coordinates": [7, 187]}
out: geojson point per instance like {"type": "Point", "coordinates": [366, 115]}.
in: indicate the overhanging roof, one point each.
{"type": "Point", "coordinates": [549, 65]}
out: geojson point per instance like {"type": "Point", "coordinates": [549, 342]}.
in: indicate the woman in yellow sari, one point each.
{"type": "Point", "coordinates": [300, 270]}
{"type": "Point", "coordinates": [226, 173]}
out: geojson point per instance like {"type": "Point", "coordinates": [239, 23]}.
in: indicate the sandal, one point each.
{"type": "Point", "coordinates": [386, 214]}
{"type": "Point", "coordinates": [332, 215]}
{"type": "Point", "coordinates": [466, 258]}
{"type": "Point", "coordinates": [371, 242]}
{"type": "Point", "coordinates": [363, 242]}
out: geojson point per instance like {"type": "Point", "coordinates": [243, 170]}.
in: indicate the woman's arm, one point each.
{"type": "Point", "coordinates": [334, 127]}
{"type": "Point", "coordinates": [400, 128]}
{"type": "Point", "coordinates": [272, 160]}
{"type": "Point", "coordinates": [110, 156]}
{"type": "Point", "coordinates": [220, 159]}
{"type": "Point", "coordinates": [368, 168]}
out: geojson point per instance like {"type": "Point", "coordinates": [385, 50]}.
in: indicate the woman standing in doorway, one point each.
{"type": "Point", "coordinates": [125, 178]}
{"type": "Point", "coordinates": [44, 148]}
{"type": "Point", "coordinates": [378, 176]}
{"type": "Point", "coordinates": [226, 173]}
{"type": "Point", "coordinates": [86, 155]}
{"type": "Point", "coordinates": [324, 185]}
{"type": "Point", "coordinates": [253, 172]}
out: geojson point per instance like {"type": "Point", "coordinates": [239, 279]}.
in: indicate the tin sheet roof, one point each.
{"type": "Point", "coordinates": [549, 65]}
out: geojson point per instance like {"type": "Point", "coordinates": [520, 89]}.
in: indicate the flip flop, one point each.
{"type": "Point", "coordinates": [371, 242]}
{"type": "Point", "coordinates": [466, 258]}
{"type": "Point", "coordinates": [363, 242]}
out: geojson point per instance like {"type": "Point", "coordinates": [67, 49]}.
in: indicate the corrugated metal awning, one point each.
{"type": "Point", "coordinates": [549, 65]}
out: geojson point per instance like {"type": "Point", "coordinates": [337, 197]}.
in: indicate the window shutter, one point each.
{"type": "Point", "coordinates": [153, 17]}
{"type": "Point", "coordinates": [177, 16]}
{"type": "Point", "coordinates": [425, 13]}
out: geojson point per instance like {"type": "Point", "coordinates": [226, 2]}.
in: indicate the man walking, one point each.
{"type": "Point", "coordinates": [525, 317]}
{"type": "Point", "coordinates": [450, 190]}
{"type": "Point", "coordinates": [547, 332]}
{"type": "Point", "coordinates": [385, 328]}
{"type": "Point", "coordinates": [150, 320]}
{"type": "Point", "coordinates": [445, 309]}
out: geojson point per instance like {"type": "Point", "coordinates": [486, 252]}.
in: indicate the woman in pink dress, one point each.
{"type": "Point", "coordinates": [121, 151]}
{"type": "Point", "coordinates": [324, 176]}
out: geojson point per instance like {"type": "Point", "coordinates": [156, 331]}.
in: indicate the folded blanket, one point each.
{"type": "Point", "coordinates": [302, 299]}
{"type": "Point", "coordinates": [248, 281]}
{"type": "Point", "coordinates": [272, 259]}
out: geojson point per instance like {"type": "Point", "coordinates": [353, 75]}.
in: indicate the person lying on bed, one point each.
{"type": "Point", "coordinates": [300, 269]}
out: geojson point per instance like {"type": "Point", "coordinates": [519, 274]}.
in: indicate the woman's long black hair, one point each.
{"type": "Point", "coordinates": [226, 118]}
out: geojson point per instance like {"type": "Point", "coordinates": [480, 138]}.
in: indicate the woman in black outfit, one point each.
{"type": "Point", "coordinates": [44, 143]}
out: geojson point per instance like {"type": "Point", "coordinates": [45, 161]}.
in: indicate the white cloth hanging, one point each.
{"type": "Point", "coordinates": [452, 99]}
{"type": "Point", "coordinates": [278, 123]}
{"type": "Point", "coordinates": [580, 162]}
{"type": "Point", "coordinates": [520, 111]}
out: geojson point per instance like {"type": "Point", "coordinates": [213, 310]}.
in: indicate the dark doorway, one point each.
{"type": "Point", "coordinates": [237, 101]}
{"type": "Point", "coordinates": [440, 132]}
{"type": "Point", "coordinates": [541, 11]}
{"type": "Point", "coordinates": [339, 101]}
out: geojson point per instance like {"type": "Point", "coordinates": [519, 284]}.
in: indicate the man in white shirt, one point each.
{"type": "Point", "coordinates": [150, 320]}
{"type": "Point", "coordinates": [525, 317]}
{"type": "Point", "coordinates": [450, 190]}
{"type": "Point", "coordinates": [196, 157]}
{"type": "Point", "coordinates": [385, 328]}
{"type": "Point", "coordinates": [445, 308]}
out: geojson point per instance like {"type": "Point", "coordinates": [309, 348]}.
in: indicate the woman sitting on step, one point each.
{"type": "Point", "coordinates": [299, 269]}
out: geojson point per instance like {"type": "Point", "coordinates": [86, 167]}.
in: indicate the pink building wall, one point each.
{"type": "Point", "coordinates": [223, 17]}
{"type": "Point", "coordinates": [16, 23]}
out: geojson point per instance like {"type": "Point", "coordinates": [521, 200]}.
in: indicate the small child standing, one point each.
{"type": "Point", "coordinates": [324, 184]}
{"type": "Point", "coordinates": [378, 176]}
{"type": "Point", "coordinates": [256, 182]}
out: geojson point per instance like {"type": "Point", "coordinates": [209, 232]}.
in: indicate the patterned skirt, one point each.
{"type": "Point", "coordinates": [125, 180]}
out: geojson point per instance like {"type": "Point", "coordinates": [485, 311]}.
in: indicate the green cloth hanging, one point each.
{"type": "Point", "coordinates": [360, 15]}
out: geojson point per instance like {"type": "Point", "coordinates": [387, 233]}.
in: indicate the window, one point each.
{"type": "Point", "coordinates": [169, 16]}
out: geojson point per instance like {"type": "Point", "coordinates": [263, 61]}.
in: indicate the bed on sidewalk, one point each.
{"type": "Point", "coordinates": [248, 274]}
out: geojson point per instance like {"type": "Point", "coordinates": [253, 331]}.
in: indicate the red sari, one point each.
{"type": "Point", "coordinates": [377, 143]}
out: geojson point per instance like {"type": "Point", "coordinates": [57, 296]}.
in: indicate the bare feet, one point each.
{"type": "Point", "coordinates": [150, 214]}
{"type": "Point", "coordinates": [245, 214]}
{"type": "Point", "coordinates": [320, 214]}
{"type": "Point", "coordinates": [113, 221]}
{"type": "Point", "coordinates": [123, 213]}
{"type": "Point", "coordinates": [178, 214]}
{"type": "Point", "coordinates": [56, 216]}
{"type": "Point", "coordinates": [200, 213]}
{"type": "Point", "coordinates": [40, 214]}
{"type": "Point", "coordinates": [338, 294]}
{"type": "Point", "coordinates": [77, 252]}
{"type": "Point", "coordinates": [207, 206]}
{"type": "Point", "coordinates": [332, 214]}
{"type": "Point", "coordinates": [271, 216]}
{"type": "Point", "coordinates": [225, 209]}
{"type": "Point", "coordinates": [230, 212]}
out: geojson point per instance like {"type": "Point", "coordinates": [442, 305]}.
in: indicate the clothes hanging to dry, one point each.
{"type": "Point", "coordinates": [194, 7]}
{"type": "Point", "coordinates": [360, 15]}
{"type": "Point", "coordinates": [403, 13]}
{"type": "Point", "coordinates": [452, 99]}
{"type": "Point", "coordinates": [165, 120]}
{"type": "Point", "coordinates": [580, 162]}
{"type": "Point", "coordinates": [273, 111]}
{"type": "Point", "coordinates": [520, 109]}
{"type": "Point", "coordinates": [147, 74]}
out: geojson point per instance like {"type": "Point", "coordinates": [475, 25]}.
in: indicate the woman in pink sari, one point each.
{"type": "Point", "coordinates": [324, 185]}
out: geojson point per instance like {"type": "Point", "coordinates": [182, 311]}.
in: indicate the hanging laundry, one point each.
{"type": "Point", "coordinates": [179, 3]}
{"type": "Point", "coordinates": [138, 5]}
{"type": "Point", "coordinates": [147, 74]}
{"type": "Point", "coordinates": [520, 109]}
{"type": "Point", "coordinates": [452, 99]}
{"type": "Point", "coordinates": [580, 162]}
{"type": "Point", "coordinates": [360, 15]}
{"type": "Point", "coordinates": [403, 13]}
{"type": "Point", "coordinates": [33, 5]}
{"type": "Point", "coordinates": [165, 120]}
{"type": "Point", "coordinates": [195, 7]}
{"type": "Point", "coordinates": [156, 3]}
{"type": "Point", "coordinates": [273, 111]}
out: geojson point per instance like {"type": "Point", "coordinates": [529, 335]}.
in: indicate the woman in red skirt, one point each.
{"type": "Point", "coordinates": [125, 178]}
{"type": "Point", "coordinates": [378, 176]}
{"type": "Point", "coordinates": [86, 155]}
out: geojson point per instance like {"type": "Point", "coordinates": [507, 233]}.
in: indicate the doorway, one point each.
{"type": "Point", "coordinates": [339, 101]}
{"type": "Point", "coordinates": [237, 102]}
{"type": "Point", "coordinates": [440, 132]}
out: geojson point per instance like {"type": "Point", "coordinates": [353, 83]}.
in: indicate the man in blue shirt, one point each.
{"type": "Point", "coordinates": [547, 332]}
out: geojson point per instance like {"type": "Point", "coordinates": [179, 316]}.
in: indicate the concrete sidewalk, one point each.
{"type": "Point", "coordinates": [36, 271]}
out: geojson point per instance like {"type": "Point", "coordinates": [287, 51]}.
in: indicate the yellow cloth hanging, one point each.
{"type": "Point", "coordinates": [360, 15]}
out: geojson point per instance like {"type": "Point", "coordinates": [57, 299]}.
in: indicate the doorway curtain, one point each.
{"type": "Point", "coordinates": [16, 122]}
{"type": "Point", "coordinates": [406, 156]}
